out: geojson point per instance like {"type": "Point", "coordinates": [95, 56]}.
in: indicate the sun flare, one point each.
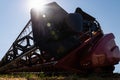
{"type": "Point", "coordinates": [38, 4]}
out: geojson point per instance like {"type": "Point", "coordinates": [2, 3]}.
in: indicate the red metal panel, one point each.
{"type": "Point", "coordinates": [106, 51]}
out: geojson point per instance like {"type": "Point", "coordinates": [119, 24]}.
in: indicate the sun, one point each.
{"type": "Point", "coordinates": [38, 4]}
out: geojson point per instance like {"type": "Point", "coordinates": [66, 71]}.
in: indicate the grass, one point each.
{"type": "Point", "coordinates": [42, 76]}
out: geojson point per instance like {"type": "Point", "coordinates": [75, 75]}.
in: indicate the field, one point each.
{"type": "Point", "coordinates": [41, 76]}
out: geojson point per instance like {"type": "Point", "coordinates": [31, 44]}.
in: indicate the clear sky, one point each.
{"type": "Point", "coordinates": [14, 14]}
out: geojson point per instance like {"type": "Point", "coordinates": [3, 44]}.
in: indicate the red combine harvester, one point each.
{"type": "Point", "coordinates": [54, 40]}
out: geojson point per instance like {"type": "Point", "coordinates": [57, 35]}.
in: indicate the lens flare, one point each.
{"type": "Point", "coordinates": [37, 4]}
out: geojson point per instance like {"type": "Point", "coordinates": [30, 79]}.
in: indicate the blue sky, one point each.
{"type": "Point", "coordinates": [14, 14]}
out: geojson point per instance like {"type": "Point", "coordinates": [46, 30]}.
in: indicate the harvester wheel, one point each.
{"type": "Point", "coordinates": [107, 70]}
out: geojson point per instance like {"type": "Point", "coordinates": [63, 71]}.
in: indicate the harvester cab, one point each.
{"type": "Point", "coordinates": [58, 32]}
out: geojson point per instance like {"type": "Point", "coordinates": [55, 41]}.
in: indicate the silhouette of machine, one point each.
{"type": "Point", "coordinates": [54, 40]}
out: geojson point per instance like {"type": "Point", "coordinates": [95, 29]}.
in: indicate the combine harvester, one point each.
{"type": "Point", "coordinates": [56, 41]}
